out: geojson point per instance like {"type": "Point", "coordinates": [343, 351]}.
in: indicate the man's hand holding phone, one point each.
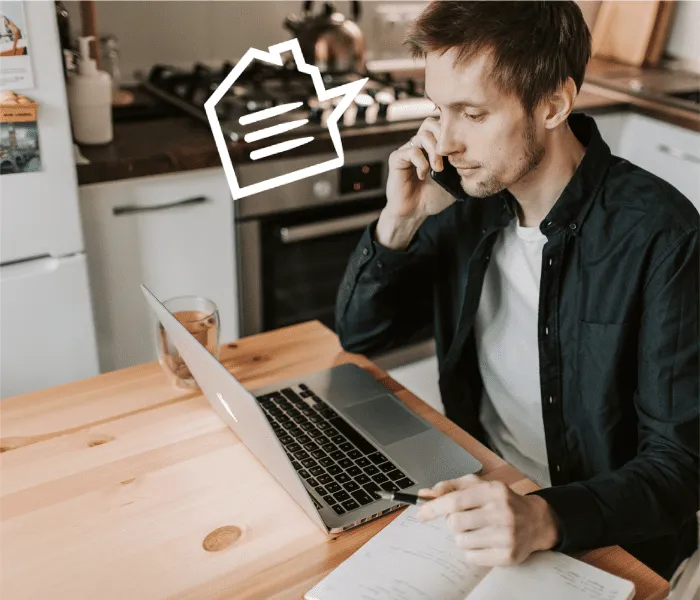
{"type": "Point", "coordinates": [412, 195]}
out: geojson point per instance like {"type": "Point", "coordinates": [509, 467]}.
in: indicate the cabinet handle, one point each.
{"type": "Point", "coordinates": [127, 210]}
{"type": "Point", "coordinates": [676, 153]}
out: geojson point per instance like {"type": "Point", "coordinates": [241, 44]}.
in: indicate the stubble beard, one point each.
{"type": "Point", "coordinates": [490, 184]}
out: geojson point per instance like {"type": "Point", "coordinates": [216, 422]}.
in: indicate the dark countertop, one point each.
{"type": "Point", "coordinates": [174, 144]}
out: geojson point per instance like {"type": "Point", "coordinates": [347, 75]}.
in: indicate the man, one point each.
{"type": "Point", "coordinates": [562, 288]}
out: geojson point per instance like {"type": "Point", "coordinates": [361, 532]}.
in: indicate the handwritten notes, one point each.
{"type": "Point", "coordinates": [407, 560]}
{"type": "Point", "coordinates": [410, 560]}
{"type": "Point", "coordinates": [551, 576]}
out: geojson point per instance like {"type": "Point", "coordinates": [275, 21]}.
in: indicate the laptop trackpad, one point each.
{"type": "Point", "coordinates": [386, 419]}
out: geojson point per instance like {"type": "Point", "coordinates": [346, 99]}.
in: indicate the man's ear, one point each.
{"type": "Point", "coordinates": [559, 105]}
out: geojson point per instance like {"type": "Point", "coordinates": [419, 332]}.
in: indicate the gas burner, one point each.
{"type": "Point", "coordinates": [382, 100]}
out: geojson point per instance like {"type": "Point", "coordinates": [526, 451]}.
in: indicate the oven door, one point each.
{"type": "Point", "coordinates": [292, 265]}
{"type": "Point", "coordinates": [302, 258]}
{"type": "Point", "coordinates": [293, 243]}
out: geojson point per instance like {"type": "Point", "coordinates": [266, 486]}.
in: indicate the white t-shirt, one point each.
{"type": "Point", "coordinates": [506, 343]}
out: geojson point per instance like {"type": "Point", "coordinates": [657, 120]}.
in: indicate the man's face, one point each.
{"type": "Point", "coordinates": [488, 135]}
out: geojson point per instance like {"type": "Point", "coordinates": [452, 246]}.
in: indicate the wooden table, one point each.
{"type": "Point", "coordinates": [122, 486]}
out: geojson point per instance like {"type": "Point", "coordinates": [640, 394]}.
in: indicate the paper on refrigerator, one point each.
{"type": "Point", "coordinates": [15, 62]}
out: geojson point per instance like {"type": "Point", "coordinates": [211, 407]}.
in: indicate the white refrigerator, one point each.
{"type": "Point", "coordinates": [47, 334]}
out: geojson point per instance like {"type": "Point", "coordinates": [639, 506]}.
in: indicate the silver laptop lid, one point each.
{"type": "Point", "coordinates": [236, 406]}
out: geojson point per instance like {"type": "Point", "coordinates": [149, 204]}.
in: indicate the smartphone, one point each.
{"type": "Point", "coordinates": [448, 178]}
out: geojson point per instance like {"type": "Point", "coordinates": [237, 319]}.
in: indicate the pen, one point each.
{"type": "Point", "coordinates": [403, 497]}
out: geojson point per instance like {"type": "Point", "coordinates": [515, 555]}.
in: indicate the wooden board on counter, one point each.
{"type": "Point", "coordinates": [623, 30]}
{"type": "Point", "coordinates": [659, 37]}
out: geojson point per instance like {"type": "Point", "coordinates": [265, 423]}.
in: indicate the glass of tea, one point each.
{"type": "Point", "coordinates": [201, 318]}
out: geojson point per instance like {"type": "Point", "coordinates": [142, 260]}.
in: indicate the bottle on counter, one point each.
{"type": "Point", "coordinates": [110, 60]}
{"type": "Point", "coordinates": [90, 99]}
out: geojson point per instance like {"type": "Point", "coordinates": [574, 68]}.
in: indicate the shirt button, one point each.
{"type": "Point", "coordinates": [546, 330]}
{"type": "Point", "coordinates": [551, 400]}
{"type": "Point", "coordinates": [365, 251]}
{"type": "Point", "coordinates": [572, 226]}
{"type": "Point", "coordinates": [380, 264]}
{"type": "Point", "coordinates": [550, 262]}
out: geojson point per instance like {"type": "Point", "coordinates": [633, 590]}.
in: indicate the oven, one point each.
{"type": "Point", "coordinates": [293, 243]}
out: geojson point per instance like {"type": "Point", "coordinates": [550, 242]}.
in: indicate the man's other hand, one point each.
{"type": "Point", "coordinates": [492, 524]}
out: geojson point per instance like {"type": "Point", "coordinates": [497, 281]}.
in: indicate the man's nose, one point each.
{"type": "Point", "coordinates": [447, 142]}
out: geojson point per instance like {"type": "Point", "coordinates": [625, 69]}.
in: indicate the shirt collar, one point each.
{"type": "Point", "coordinates": [569, 211]}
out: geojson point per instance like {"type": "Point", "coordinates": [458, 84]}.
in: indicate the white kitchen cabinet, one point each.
{"type": "Point", "coordinates": [173, 233]}
{"type": "Point", "coordinates": [611, 126]}
{"type": "Point", "coordinates": [668, 151]}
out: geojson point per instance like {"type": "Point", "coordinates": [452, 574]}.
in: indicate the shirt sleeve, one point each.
{"type": "Point", "coordinates": [385, 297]}
{"type": "Point", "coordinates": [656, 492]}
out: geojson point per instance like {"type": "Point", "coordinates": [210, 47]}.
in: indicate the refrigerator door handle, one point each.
{"type": "Point", "coordinates": [130, 209]}
{"type": "Point", "coordinates": [31, 267]}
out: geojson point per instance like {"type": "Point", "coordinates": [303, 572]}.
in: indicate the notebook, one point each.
{"type": "Point", "coordinates": [410, 560]}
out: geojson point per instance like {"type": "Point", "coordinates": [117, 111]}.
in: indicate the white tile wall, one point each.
{"type": "Point", "coordinates": [183, 32]}
{"type": "Point", "coordinates": [152, 31]}
{"type": "Point", "coordinates": [684, 42]}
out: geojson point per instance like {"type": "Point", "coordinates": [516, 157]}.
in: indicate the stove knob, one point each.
{"type": "Point", "coordinates": [256, 105]}
{"type": "Point", "coordinates": [322, 189]}
{"type": "Point", "coordinates": [315, 114]}
{"type": "Point", "coordinates": [362, 101]}
{"type": "Point", "coordinates": [383, 98]}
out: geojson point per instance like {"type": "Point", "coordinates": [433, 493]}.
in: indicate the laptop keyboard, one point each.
{"type": "Point", "coordinates": [342, 467]}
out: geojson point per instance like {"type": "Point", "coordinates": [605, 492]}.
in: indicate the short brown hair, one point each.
{"type": "Point", "coordinates": [535, 45]}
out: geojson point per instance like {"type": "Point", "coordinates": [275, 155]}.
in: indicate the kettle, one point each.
{"type": "Point", "coordinates": [329, 40]}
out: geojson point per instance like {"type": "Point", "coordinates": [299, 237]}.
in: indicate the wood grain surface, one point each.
{"type": "Point", "coordinates": [122, 486]}
{"type": "Point", "coordinates": [660, 33]}
{"type": "Point", "coordinates": [624, 30]}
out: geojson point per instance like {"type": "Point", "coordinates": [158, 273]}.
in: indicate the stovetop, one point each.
{"type": "Point", "coordinates": [383, 99]}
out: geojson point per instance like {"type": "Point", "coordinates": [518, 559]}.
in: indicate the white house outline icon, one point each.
{"type": "Point", "coordinates": [349, 91]}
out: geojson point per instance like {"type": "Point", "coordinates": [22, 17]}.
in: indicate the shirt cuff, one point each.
{"type": "Point", "coordinates": [580, 519]}
{"type": "Point", "coordinates": [384, 258]}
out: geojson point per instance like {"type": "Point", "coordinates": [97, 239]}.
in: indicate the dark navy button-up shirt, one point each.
{"type": "Point", "coordinates": [618, 342]}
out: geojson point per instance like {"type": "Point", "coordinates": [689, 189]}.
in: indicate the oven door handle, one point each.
{"type": "Point", "coordinates": [299, 233]}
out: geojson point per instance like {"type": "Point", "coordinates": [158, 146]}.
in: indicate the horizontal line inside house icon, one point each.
{"type": "Point", "coordinates": [278, 129]}
{"type": "Point", "coordinates": [278, 148]}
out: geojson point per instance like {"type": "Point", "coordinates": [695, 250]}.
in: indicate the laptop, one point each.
{"type": "Point", "coordinates": [331, 439]}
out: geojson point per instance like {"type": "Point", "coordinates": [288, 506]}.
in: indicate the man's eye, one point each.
{"type": "Point", "coordinates": [475, 118]}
